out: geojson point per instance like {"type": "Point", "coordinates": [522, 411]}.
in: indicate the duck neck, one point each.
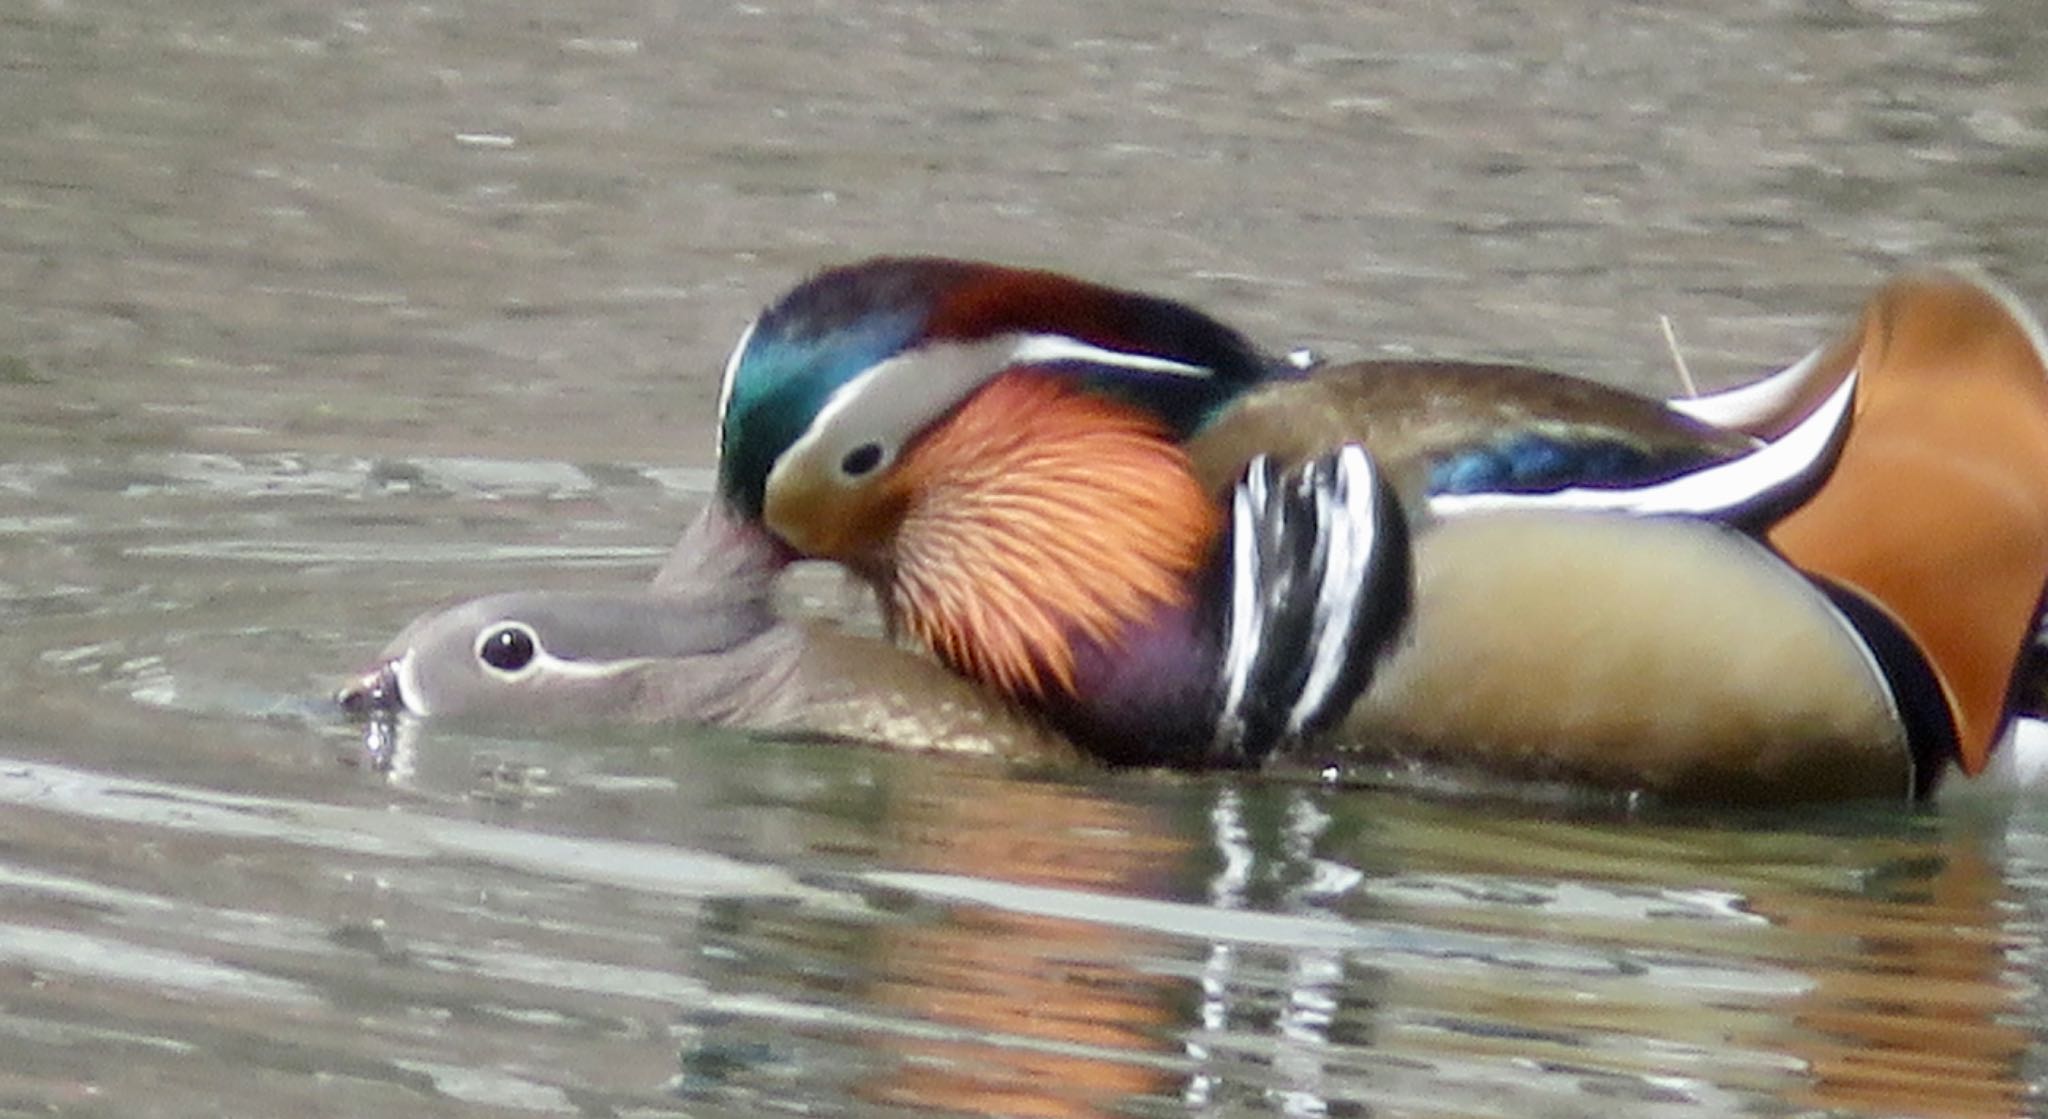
{"type": "Point", "coordinates": [724, 553]}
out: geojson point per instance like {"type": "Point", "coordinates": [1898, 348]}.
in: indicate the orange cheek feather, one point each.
{"type": "Point", "coordinates": [1938, 507]}
{"type": "Point", "coordinates": [1038, 512]}
{"type": "Point", "coordinates": [854, 527]}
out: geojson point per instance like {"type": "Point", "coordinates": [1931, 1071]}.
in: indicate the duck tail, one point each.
{"type": "Point", "coordinates": [1936, 510]}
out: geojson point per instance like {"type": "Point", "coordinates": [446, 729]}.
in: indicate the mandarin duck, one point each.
{"type": "Point", "coordinates": [708, 650]}
{"type": "Point", "coordinates": [1028, 466]}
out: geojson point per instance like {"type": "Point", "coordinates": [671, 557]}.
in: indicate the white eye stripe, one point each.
{"type": "Point", "coordinates": [542, 661]}
{"type": "Point", "coordinates": [587, 670]}
{"type": "Point", "coordinates": [1049, 349]}
{"type": "Point", "coordinates": [899, 396]}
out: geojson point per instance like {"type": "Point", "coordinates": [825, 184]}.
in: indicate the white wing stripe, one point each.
{"type": "Point", "coordinates": [1713, 491]}
{"type": "Point", "coordinates": [1241, 640]}
{"type": "Point", "coordinates": [1350, 538]}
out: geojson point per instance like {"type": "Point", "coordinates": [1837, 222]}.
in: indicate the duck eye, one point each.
{"type": "Point", "coordinates": [861, 460]}
{"type": "Point", "coordinates": [507, 648]}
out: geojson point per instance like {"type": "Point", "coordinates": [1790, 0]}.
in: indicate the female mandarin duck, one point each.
{"type": "Point", "coordinates": [707, 650]}
{"type": "Point", "coordinates": [1027, 467]}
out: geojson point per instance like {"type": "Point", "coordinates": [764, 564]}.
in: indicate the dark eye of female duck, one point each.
{"type": "Point", "coordinates": [507, 648]}
{"type": "Point", "coordinates": [861, 460]}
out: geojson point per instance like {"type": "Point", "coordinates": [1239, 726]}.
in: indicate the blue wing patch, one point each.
{"type": "Point", "coordinates": [1541, 461]}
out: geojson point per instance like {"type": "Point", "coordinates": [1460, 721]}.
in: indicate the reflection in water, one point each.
{"type": "Point", "coordinates": [1912, 1008]}
{"type": "Point", "coordinates": [1062, 1023]}
{"type": "Point", "coordinates": [1774, 975]}
{"type": "Point", "coordinates": [1226, 891]}
{"type": "Point", "coordinates": [1068, 948]}
{"type": "Point", "coordinates": [1314, 976]}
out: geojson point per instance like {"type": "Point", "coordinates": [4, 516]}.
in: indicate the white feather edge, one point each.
{"type": "Point", "coordinates": [725, 385]}
{"type": "Point", "coordinates": [1349, 540]}
{"type": "Point", "coordinates": [1756, 405]}
{"type": "Point", "coordinates": [1709, 491]}
{"type": "Point", "coordinates": [1241, 640]}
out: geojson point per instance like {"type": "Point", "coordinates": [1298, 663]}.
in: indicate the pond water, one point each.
{"type": "Point", "coordinates": [312, 316]}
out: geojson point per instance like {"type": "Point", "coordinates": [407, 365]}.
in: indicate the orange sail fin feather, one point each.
{"type": "Point", "coordinates": [1938, 508]}
{"type": "Point", "coordinates": [1038, 513]}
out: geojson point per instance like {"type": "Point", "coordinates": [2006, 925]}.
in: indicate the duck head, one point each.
{"type": "Point", "coordinates": [997, 450]}
{"type": "Point", "coordinates": [552, 656]}
{"type": "Point", "coordinates": [709, 649]}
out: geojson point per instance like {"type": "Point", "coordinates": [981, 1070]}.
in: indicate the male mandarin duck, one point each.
{"type": "Point", "coordinates": [1003, 453]}
{"type": "Point", "coordinates": [1027, 468]}
{"type": "Point", "coordinates": [1670, 655]}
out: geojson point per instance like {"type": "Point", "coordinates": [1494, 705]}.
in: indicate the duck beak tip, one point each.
{"type": "Point", "coordinates": [373, 692]}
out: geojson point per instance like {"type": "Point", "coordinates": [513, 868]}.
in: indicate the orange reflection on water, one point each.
{"type": "Point", "coordinates": [1911, 1011]}
{"type": "Point", "coordinates": [1048, 1015]}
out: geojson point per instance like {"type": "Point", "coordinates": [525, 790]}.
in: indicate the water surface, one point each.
{"type": "Point", "coordinates": [311, 317]}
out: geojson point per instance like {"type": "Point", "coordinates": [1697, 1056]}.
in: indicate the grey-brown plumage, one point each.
{"type": "Point", "coordinates": [705, 648]}
{"type": "Point", "coordinates": [1418, 415]}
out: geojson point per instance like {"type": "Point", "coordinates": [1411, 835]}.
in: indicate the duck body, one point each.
{"type": "Point", "coordinates": [1924, 524]}
{"type": "Point", "coordinates": [1670, 656]}
{"type": "Point", "coordinates": [1031, 469]}
{"type": "Point", "coordinates": [1464, 427]}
